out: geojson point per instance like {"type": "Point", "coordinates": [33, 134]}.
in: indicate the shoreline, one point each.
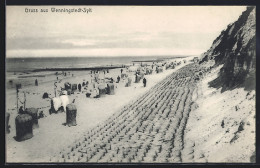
{"type": "Point", "coordinates": [78, 69]}
{"type": "Point", "coordinates": [45, 72]}
{"type": "Point", "coordinates": [90, 67]}
{"type": "Point", "coordinates": [163, 59]}
{"type": "Point", "coordinates": [159, 60]}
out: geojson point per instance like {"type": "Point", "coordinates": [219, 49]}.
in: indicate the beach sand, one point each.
{"type": "Point", "coordinates": [52, 135]}
{"type": "Point", "coordinates": [222, 127]}
{"type": "Point", "coordinates": [149, 129]}
{"type": "Point", "coordinates": [177, 118]}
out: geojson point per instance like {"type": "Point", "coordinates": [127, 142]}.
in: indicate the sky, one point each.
{"type": "Point", "coordinates": [115, 30]}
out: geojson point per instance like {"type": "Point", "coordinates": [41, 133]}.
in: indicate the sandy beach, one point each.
{"type": "Point", "coordinates": [159, 126]}
{"type": "Point", "coordinates": [167, 121]}
{"type": "Point", "coordinates": [52, 135]}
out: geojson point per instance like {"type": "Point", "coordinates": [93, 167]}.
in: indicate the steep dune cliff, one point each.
{"type": "Point", "coordinates": [222, 127]}
{"type": "Point", "coordinates": [235, 48]}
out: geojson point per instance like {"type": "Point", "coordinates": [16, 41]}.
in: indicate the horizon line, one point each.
{"type": "Point", "coordinates": [7, 57]}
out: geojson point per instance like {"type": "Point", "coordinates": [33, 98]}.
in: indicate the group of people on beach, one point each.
{"type": "Point", "coordinates": [95, 80]}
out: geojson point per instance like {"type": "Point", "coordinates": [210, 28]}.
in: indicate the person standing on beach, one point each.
{"type": "Point", "coordinates": [118, 79]}
{"type": "Point", "coordinates": [144, 82]}
{"type": "Point", "coordinates": [79, 86]}
{"type": "Point", "coordinates": [121, 70]}
{"type": "Point", "coordinates": [36, 82]}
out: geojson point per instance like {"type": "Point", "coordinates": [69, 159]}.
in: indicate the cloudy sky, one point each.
{"type": "Point", "coordinates": [116, 30]}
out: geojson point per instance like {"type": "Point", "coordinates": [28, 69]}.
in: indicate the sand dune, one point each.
{"type": "Point", "coordinates": [222, 128]}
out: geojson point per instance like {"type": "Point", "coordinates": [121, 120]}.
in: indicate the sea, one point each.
{"type": "Point", "coordinates": [20, 70]}
{"type": "Point", "coordinates": [28, 64]}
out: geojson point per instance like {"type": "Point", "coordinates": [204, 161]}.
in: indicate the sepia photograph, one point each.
{"type": "Point", "coordinates": [130, 84]}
